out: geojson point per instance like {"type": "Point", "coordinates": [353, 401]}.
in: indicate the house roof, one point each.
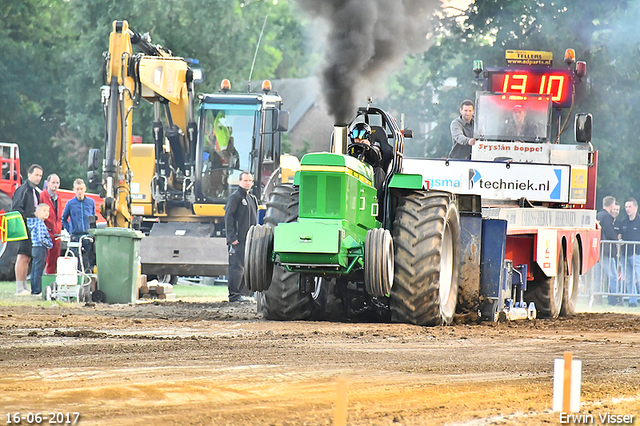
{"type": "Point", "coordinates": [298, 96]}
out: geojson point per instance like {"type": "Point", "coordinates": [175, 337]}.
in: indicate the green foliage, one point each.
{"type": "Point", "coordinates": [52, 63]}
{"type": "Point", "coordinates": [306, 146]}
{"type": "Point", "coordinates": [288, 149]}
{"type": "Point", "coordinates": [32, 102]}
{"type": "Point", "coordinates": [285, 143]}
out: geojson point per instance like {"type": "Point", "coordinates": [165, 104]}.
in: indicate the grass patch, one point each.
{"type": "Point", "coordinates": [603, 306]}
{"type": "Point", "coordinates": [8, 297]}
{"type": "Point", "coordinates": [187, 293]}
{"type": "Point", "coordinates": [218, 292]}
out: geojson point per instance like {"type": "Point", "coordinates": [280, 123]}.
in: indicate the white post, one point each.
{"type": "Point", "coordinates": [567, 374]}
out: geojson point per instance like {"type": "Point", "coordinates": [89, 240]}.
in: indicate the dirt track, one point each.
{"type": "Point", "coordinates": [181, 363]}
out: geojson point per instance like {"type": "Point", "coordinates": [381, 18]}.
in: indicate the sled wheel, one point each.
{"type": "Point", "coordinates": [547, 293]}
{"type": "Point", "coordinates": [570, 293]}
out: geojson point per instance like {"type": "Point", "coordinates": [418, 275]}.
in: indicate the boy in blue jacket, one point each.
{"type": "Point", "coordinates": [75, 218]}
{"type": "Point", "coordinates": [41, 242]}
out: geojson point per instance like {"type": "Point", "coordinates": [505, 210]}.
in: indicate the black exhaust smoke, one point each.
{"type": "Point", "coordinates": [367, 40]}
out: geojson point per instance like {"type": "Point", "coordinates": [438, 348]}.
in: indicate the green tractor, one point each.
{"type": "Point", "coordinates": [332, 244]}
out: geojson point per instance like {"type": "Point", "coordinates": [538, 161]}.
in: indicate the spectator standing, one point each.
{"type": "Point", "coordinates": [240, 213]}
{"type": "Point", "coordinates": [54, 221]}
{"type": "Point", "coordinates": [75, 219]}
{"type": "Point", "coordinates": [462, 132]}
{"type": "Point", "coordinates": [608, 258]}
{"type": "Point", "coordinates": [41, 242]}
{"type": "Point", "coordinates": [615, 211]}
{"type": "Point", "coordinates": [25, 200]}
{"type": "Point", "coordinates": [629, 230]}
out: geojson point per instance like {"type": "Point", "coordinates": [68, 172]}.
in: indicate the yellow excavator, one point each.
{"type": "Point", "coordinates": [175, 188]}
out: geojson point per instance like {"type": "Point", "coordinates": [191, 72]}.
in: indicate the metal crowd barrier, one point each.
{"type": "Point", "coordinates": [616, 277]}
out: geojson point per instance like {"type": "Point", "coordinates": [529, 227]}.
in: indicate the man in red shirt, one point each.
{"type": "Point", "coordinates": [54, 222]}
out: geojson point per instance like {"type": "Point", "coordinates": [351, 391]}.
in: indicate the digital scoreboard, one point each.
{"type": "Point", "coordinates": [558, 84]}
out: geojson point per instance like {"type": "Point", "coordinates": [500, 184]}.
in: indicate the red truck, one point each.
{"type": "Point", "coordinates": [10, 180]}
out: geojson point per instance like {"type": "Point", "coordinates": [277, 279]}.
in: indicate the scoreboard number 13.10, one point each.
{"type": "Point", "coordinates": [556, 84]}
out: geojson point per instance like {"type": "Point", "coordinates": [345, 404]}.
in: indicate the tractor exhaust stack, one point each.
{"type": "Point", "coordinates": [339, 139]}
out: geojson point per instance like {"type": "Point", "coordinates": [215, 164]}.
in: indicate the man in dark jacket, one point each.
{"type": "Point", "coordinates": [608, 258]}
{"type": "Point", "coordinates": [240, 213]}
{"type": "Point", "coordinates": [629, 230]}
{"type": "Point", "coordinates": [25, 200]}
{"type": "Point", "coordinates": [462, 132]}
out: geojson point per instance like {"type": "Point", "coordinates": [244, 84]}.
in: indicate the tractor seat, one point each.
{"type": "Point", "coordinates": [379, 137]}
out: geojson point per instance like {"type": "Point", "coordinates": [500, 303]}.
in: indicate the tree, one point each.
{"type": "Point", "coordinates": [32, 107]}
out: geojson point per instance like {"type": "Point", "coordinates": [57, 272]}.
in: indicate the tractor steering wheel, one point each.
{"type": "Point", "coordinates": [359, 150]}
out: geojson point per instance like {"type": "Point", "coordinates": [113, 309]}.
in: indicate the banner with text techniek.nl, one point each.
{"type": "Point", "coordinates": [493, 180]}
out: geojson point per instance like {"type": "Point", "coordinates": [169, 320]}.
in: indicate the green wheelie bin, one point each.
{"type": "Point", "coordinates": [118, 263]}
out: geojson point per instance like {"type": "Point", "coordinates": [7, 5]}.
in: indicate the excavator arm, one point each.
{"type": "Point", "coordinates": [166, 81]}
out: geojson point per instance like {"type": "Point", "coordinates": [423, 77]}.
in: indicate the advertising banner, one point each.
{"type": "Point", "coordinates": [493, 180]}
{"type": "Point", "coordinates": [521, 152]}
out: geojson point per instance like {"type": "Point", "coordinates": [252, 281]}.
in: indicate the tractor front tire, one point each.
{"type": "Point", "coordinates": [426, 236]}
{"type": "Point", "coordinates": [248, 250]}
{"type": "Point", "coordinates": [378, 262]}
{"type": "Point", "coordinates": [282, 205]}
{"type": "Point", "coordinates": [8, 255]}
{"type": "Point", "coordinates": [282, 301]}
{"type": "Point", "coordinates": [258, 267]}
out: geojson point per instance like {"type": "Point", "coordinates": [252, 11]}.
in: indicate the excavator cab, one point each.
{"type": "Point", "coordinates": [237, 132]}
{"type": "Point", "coordinates": [223, 151]}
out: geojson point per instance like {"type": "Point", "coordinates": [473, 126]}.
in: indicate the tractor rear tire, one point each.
{"type": "Point", "coordinates": [8, 250]}
{"type": "Point", "coordinates": [258, 267]}
{"type": "Point", "coordinates": [282, 205]}
{"type": "Point", "coordinates": [426, 235]}
{"type": "Point", "coordinates": [283, 301]}
{"type": "Point", "coordinates": [547, 293]}
{"type": "Point", "coordinates": [378, 262]}
{"type": "Point", "coordinates": [570, 293]}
